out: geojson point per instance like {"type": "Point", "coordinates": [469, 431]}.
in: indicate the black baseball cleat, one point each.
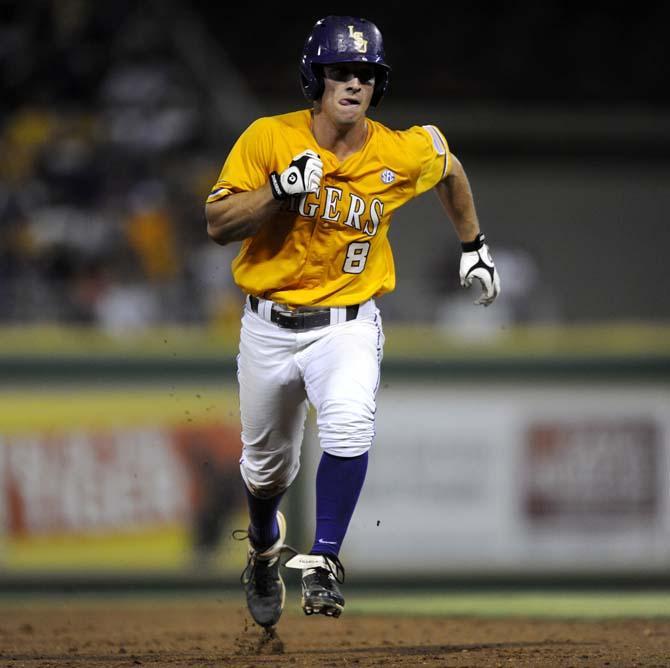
{"type": "Point", "coordinates": [263, 584]}
{"type": "Point", "coordinates": [321, 574]}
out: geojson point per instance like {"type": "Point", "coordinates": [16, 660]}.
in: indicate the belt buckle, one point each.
{"type": "Point", "coordinates": [289, 319]}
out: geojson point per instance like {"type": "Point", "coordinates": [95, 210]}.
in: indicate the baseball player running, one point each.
{"type": "Point", "coordinates": [310, 194]}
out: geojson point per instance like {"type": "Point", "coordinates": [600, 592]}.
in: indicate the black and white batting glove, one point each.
{"type": "Point", "coordinates": [476, 262]}
{"type": "Point", "coordinates": [303, 175]}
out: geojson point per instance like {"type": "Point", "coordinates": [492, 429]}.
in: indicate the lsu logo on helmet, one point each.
{"type": "Point", "coordinates": [360, 43]}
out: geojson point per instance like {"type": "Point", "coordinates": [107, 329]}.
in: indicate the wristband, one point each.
{"type": "Point", "coordinates": [275, 185]}
{"type": "Point", "coordinates": [474, 245]}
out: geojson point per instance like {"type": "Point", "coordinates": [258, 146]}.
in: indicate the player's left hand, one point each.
{"type": "Point", "coordinates": [476, 262]}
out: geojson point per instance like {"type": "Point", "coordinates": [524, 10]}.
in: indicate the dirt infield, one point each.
{"type": "Point", "coordinates": [207, 632]}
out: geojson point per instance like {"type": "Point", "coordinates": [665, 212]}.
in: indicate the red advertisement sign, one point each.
{"type": "Point", "coordinates": [101, 480]}
{"type": "Point", "coordinates": [592, 472]}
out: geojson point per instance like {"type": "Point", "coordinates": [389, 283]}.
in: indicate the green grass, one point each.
{"type": "Point", "coordinates": [563, 605]}
{"type": "Point", "coordinates": [536, 605]}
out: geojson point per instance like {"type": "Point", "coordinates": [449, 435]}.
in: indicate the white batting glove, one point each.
{"type": "Point", "coordinates": [476, 262]}
{"type": "Point", "coordinates": [303, 175]}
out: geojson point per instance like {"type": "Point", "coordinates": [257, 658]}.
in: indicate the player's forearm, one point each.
{"type": "Point", "coordinates": [240, 215]}
{"type": "Point", "coordinates": [456, 197]}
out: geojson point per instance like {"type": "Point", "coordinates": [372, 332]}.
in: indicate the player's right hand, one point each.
{"type": "Point", "coordinates": [303, 175]}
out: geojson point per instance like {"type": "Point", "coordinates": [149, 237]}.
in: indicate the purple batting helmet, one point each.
{"type": "Point", "coordinates": [342, 39]}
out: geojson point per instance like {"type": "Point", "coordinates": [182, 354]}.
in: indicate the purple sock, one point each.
{"type": "Point", "coordinates": [263, 527]}
{"type": "Point", "coordinates": [339, 481]}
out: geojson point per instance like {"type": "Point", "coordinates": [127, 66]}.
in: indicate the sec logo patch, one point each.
{"type": "Point", "coordinates": [387, 176]}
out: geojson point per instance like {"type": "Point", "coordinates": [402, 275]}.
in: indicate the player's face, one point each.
{"type": "Point", "coordinates": [348, 89]}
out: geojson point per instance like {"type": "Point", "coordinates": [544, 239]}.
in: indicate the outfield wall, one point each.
{"type": "Point", "coordinates": [480, 468]}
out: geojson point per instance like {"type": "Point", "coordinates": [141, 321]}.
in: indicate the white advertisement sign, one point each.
{"type": "Point", "coordinates": [507, 478]}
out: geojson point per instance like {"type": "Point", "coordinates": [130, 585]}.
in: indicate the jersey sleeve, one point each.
{"type": "Point", "coordinates": [431, 150]}
{"type": "Point", "coordinates": [248, 164]}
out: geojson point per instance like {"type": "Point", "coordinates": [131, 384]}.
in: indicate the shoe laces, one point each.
{"type": "Point", "coordinates": [333, 568]}
{"type": "Point", "coordinates": [251, 571]}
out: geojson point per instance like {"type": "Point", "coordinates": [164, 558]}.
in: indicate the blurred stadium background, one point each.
{"type": "Point", "coordinates": [534, 435]}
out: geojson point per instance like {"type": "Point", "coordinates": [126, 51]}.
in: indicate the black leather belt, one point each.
{"type": "Point", "coordinates": [302, 319]}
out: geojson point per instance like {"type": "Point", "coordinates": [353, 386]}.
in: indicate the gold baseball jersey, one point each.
{"type": "Point", "coordinates": [328, 248]}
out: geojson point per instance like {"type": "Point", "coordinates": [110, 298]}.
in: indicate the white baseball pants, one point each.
{"type": "Point", "coordinates": [280, 371]}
